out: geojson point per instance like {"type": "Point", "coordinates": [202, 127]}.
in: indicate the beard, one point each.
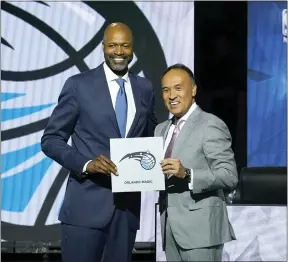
{"type": "Point", "coordinates": [118, 64]}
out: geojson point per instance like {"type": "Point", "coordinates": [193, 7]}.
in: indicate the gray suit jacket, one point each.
{"type": "Point", "coordinates": [198, 218]}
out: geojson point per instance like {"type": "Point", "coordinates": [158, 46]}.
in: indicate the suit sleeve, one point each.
{"type": "Point", "coordinates": [221, 171]}
{"type": "Point", "coordinates": [59, 129]}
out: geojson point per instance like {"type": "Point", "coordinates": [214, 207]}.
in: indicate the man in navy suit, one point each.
{"type": "Point", "coordinates": [94, 106]}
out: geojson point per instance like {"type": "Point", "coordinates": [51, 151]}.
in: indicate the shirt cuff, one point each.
{"type": "Point", "coordinates": [85, 167]}
{"type": "Point", "coordinates": [191, 180]}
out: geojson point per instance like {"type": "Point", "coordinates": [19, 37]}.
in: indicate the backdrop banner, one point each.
{"type": "Point", "coordinates": [267, 84]}
{"type": "Point", "coordinates": [44, 43]}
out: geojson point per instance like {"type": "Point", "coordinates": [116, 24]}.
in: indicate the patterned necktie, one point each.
{"type": "Point", "coordinates": [121, 107]}
{"type": "Point", "coordinates": [176, 132]}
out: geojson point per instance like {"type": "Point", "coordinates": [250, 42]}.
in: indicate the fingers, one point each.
{"type": "Point", "coordinates": [169, 162]}
{"type": "Point", "coordinates": [102, 169]}
{"type": "Point", "coordinates": [108, 161]}
{"type": "Point", "coordinates": [108, 165]}
{"type": "Point", "coordinates": [104, 165]}
{"type": "Point", "coordinates": [170, 166]}
{"type": "Point", "coordinates": [169, 169]}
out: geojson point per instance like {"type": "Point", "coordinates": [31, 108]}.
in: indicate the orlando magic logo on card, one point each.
{"type": "Point", "coordinates": [138, 164]}
{"type": "Point", "coordinates": [146, 159]}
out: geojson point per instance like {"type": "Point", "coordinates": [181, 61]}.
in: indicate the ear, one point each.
{"type": "Point", "coordinates": [102, 45]}
{"type": "Point", "coordinates": [194, 90]}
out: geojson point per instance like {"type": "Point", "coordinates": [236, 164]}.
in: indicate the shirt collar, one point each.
{"type": "Point", "coordinates": [111, 76]}
{"type": "Point", "coordinates": [191, 109]}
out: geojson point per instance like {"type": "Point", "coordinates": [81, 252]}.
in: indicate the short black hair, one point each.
{"type": "Point", "coordinates": [183, 67]}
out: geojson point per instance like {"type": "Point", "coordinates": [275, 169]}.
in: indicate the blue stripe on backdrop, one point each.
{"type": "Point", "coordinates": [13, 113]}
{"type": "Point", "coordinates": [17, 157]}
{"type": "Point", "coordinates": [17, 190]}
{"type": "Point", "coordinates": [267, 95]}
{"type": "Point", "coordinates": [7, 96]}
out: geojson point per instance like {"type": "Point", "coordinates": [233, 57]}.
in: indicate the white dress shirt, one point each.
{"type": "Point", "coordinates": [170, 133]}
{"type": "Point", "coordinates": [113, 89]}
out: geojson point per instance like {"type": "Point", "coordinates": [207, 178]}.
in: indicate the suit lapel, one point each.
{"type": "Point", "coordinates": [101, 83]}
{"type": "Point", "coordinates": [165, 130]}
{"type": "Point", "coordinates": [137, 99]}
{"type": "Point", "coordinates": [164, 133]}
{"type": "Point", "coordinates": [186, 131]}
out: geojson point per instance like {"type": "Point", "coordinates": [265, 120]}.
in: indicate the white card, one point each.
{"type": "Point", "coordinates": [138, 164]}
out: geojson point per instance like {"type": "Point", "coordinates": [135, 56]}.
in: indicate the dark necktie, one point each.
{"type": "Point", "coordinates": [121, 107]}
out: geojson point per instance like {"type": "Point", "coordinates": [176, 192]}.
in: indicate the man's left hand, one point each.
{"type": "Point", "coordinates": [173, 166]}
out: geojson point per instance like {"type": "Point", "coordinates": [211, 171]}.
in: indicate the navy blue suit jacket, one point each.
{"type": "Point", "coordinates": [85, 112]}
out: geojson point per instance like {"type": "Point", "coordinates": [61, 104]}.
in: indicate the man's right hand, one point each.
{"type": "Point", "coordinates": [102, 165]}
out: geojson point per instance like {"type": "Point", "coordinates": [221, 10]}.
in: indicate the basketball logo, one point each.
{"type": "Point", "coordinates": [146, 159]}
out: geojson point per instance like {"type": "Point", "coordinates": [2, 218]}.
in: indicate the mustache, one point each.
{"type": "Point", "coordinates": [123, 57]}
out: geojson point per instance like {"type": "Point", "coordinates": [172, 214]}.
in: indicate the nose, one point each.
{"type": "Point", "coordinates": [118, 50]}
{"type": "Point", "coordinates": [172, 95]}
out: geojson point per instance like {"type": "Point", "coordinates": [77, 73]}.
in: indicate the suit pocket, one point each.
{"type": "Point", "coordinates": [204, 204]}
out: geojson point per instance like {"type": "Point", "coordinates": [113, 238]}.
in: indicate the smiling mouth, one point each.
{"type": "Point", "coordinates": [118, 60]}
{"type": "Point", "coordinates": [174, 104]}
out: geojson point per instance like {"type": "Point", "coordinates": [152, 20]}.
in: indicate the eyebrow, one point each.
{"type": "Point", "coordinates": [117, 43]}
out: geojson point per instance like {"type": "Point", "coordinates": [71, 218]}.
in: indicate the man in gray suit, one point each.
{"type": "Point", "coordinates": [198, 165]}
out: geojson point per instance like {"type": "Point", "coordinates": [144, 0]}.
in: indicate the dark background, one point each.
{"type": "Point", "coordinates": [221, 67]}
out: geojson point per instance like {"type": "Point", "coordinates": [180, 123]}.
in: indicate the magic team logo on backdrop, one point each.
{"type": "Point", "coordinates": [40, 50]}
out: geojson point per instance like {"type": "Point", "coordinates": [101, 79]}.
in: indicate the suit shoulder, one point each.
{"type": "Point", "coordinates": [211, 119]}
{"type": "Point", "coordinates": [160, 126]}
{"type": "Point", "coordinates": [87, 74]}
{"type": "Point", "coordinates": [83, 75]}
{"type": "Point", "coordinates": [215, 123]}
{"type": "Point", "coordinates": [144, 81]}
{"type": "Point", "coordinates": [141, 78]}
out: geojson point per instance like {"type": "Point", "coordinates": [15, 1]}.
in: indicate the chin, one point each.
{"type": "Point", "coordinates": [119, 68]}
{"type": "Point", "coordinates": [175, 111]}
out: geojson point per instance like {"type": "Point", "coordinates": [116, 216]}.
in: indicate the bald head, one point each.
{"type": "Point", "coordinates": [115, 28]}
{"type": "Point", "coordinates": [118, 47]}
